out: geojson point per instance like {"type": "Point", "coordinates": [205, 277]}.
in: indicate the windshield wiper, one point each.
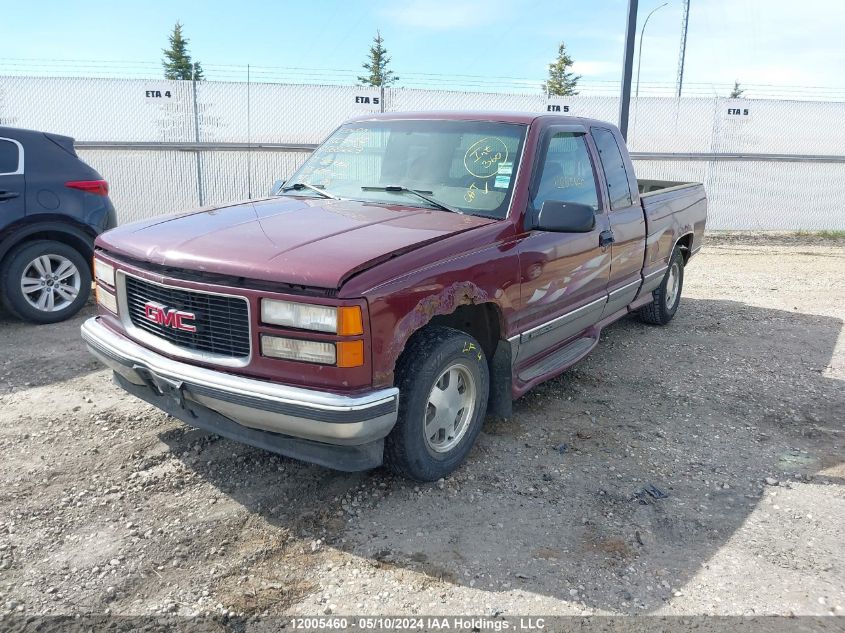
{"type": "Point", "coordinates": [416, 192]}
{"type": "Point", "coordinates": [299, 186]}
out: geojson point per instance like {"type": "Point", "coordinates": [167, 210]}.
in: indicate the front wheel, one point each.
{"type": "Point", "coordinates": [45, 281]}
{"type": "Point", "coordinates": [667, 297]}
{"type": "Point", "coordinates": [443, 382]}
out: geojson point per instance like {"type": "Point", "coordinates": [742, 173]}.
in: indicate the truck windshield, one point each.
{"type": "Point", "coordinates": [465, 166]}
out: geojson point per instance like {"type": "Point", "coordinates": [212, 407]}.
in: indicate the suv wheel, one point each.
{"type": "Point", "coordinates": [45, 281]}
{"type": "Point", "coordinates": [443, 382]}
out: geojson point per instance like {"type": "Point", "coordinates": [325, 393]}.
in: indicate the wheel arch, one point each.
{"type": "Point", "coordinates": [65, 232]}
{"type": "Point", "coordinates": [484, 321]}
{"type": "Point", "coordinates": [684, 242]}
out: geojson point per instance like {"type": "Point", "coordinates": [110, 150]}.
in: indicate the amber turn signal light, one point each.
{"type": "Point", "coordinates": [350, 353]}
{"type": "Point", "coordinates": [349, 322]}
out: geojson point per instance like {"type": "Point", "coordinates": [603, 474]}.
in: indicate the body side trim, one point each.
{"type": "Point", "coordinates": [614, 293]}
{"type": "Point", "coordinates": [561, 320]}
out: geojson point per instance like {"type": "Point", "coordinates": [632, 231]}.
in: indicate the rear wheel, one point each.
{"type": "Point", "coordinates": [45, 281]}
{"type": "Point", "coordinates": [443, 381]}
{"type": "Point", "coordinates": [667, 297]}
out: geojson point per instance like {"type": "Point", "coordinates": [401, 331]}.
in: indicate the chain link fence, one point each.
{"type": "Point", "coordinates": [171, 145]}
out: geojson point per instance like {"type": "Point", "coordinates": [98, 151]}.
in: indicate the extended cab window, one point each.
{"type": "Point", "coordinates": [615, 173]}
{"type": "Point", "coordinates": [467, 165]}
{"type": "Point", "coordinates": [8, 157]}
{"type": "Point", "coordinates": [567, 173]}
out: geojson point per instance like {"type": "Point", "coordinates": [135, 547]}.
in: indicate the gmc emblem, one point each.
{"type": "Point", "coordinates": [169, 317]}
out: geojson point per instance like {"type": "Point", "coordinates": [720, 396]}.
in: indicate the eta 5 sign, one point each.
{"type": "Point", "coordinates": [368, 100]}
{"type": "Point", "coordinates": [736, 110]}
{"type": "Point", "coordinates": [559, 105]}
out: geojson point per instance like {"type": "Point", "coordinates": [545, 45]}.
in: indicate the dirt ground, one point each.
{"type": "Point", "coordinates": [735, 411]}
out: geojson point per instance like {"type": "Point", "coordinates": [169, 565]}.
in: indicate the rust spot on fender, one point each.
{"type": "Point", "coordinates": [444, 302]}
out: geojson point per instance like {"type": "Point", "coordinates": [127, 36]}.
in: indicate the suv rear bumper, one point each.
{"type": "Point", "coordinates": [257, 406]}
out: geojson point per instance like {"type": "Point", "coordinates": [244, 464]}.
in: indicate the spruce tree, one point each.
{"type": "Point", "coordinates": [736, 93]}
{"type": "Point", "coordinates": [378, 73]}
{"type": "Point", "coordinates": [177, 61]}
{"type": "Point", "coordinates": [561, 81]}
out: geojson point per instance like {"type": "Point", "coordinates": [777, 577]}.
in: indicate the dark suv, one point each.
{"type": "Point", "coordinates": [52, 206]}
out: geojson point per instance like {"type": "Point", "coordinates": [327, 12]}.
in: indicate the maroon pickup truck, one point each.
{"type": "Point", "coordinates": [415, 273]}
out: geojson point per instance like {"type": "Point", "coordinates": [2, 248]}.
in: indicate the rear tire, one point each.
{"type": "Point", "coordinates": [45, 281]}
{"type": "Point", "coordinates": [667, 296]}
{"type": "Point", "coordinates": [444, 383]}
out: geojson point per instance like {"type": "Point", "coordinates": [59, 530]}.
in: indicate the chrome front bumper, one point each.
{"type": "Point", "coordinates": [315, 416]}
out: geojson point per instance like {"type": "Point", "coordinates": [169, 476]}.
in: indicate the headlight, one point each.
{"type": "Point", "coordinates": [104, 272]}
{"type": "Point", "coordinates": [345, 321]}
{"type": "Point", "coordinates": [295, 349]}
{"type": "Point", "coordinates": [106, 299]}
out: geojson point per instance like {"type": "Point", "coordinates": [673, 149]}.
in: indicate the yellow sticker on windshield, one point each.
{"type": "Point", "coordinates": [483, 157]}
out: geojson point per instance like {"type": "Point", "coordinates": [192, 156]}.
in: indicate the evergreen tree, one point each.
{"type": "Point", "coordinates": [378, 74]}
{"type": "Point", "coordinates": [736, 93]}
{"type": "Point", "coordinates": [177, 61]}
{"type": "Point", "coordinates": [561, 82]}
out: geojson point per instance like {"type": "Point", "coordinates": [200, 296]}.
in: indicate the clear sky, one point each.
{"type": "Point", "coordinates": [441, 43]}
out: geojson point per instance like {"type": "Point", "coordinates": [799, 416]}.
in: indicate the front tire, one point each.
{"type": "Point", "coordinates": [444, 383]}
{"type": "Point", "coordinates": [667, 297]}
{"type": "Point", "coordinates": [45, 281]}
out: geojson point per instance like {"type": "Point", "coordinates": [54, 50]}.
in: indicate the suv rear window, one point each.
{"type": "Point", "coordinates": [8, 157]}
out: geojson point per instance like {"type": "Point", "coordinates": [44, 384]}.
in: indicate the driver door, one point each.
{"type": "Point", "coordinates": [564, 276]}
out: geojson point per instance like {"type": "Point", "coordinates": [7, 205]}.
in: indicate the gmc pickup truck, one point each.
{"type": "Point", "coordinates": [417, 272]}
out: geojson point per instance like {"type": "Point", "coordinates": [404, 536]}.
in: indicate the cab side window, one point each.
{"type": "Point", "coordinates": [567, 173]}
{"type": "Point", "coordinates": [615, 173]}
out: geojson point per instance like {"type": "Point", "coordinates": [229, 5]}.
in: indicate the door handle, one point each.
{"type": "Point", "coordinates": [606, 239]}
{"type": "Point", "coordinates": [8, 195]}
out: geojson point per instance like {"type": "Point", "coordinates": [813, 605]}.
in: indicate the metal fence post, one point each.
{"type": "Point", "coordinates": [248, 136]}
{"type": "Point", "coordinates": [197, 134]}
{"type": "Point", "coordinates": [713, 167]}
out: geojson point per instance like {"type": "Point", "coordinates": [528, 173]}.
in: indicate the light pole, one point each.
{"type": "Point", "coordinates": [627, 67]}
{"type": "Point", "coordinates": [640, 53]}
{"type": "Point", "coordinates": [683, 53]}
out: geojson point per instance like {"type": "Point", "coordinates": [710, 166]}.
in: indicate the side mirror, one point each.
{"type": "Point", "coordinates": [565, 217]}
{"type": "Point", "coordinates": [276, 189]}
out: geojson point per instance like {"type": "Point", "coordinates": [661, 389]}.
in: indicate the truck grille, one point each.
{"type": "Point", "coordinates": [222, 323]}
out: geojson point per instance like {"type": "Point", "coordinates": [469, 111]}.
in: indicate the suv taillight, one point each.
{"type": "Point", "coordinates": [97, 187]}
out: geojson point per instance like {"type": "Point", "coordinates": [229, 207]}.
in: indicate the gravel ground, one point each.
{"type": "Point", "coordinates": [734, 411]}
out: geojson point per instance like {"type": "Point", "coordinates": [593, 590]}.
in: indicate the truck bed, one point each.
{"type": "Point", "coordinates": [650, 187]}
{"type": "Point", "coordinates": [674, 211]}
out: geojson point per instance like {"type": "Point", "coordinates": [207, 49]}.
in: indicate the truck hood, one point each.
{"type": "Point", "coordinates": [318, 243]}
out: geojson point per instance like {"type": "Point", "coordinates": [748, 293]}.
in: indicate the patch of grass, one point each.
{"type": "Point", "coordinates": [614, 547]}
{"type": "Point", "coordinates": [829, 235]}
{"type": "Point", "coordinates": [267, 573]}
